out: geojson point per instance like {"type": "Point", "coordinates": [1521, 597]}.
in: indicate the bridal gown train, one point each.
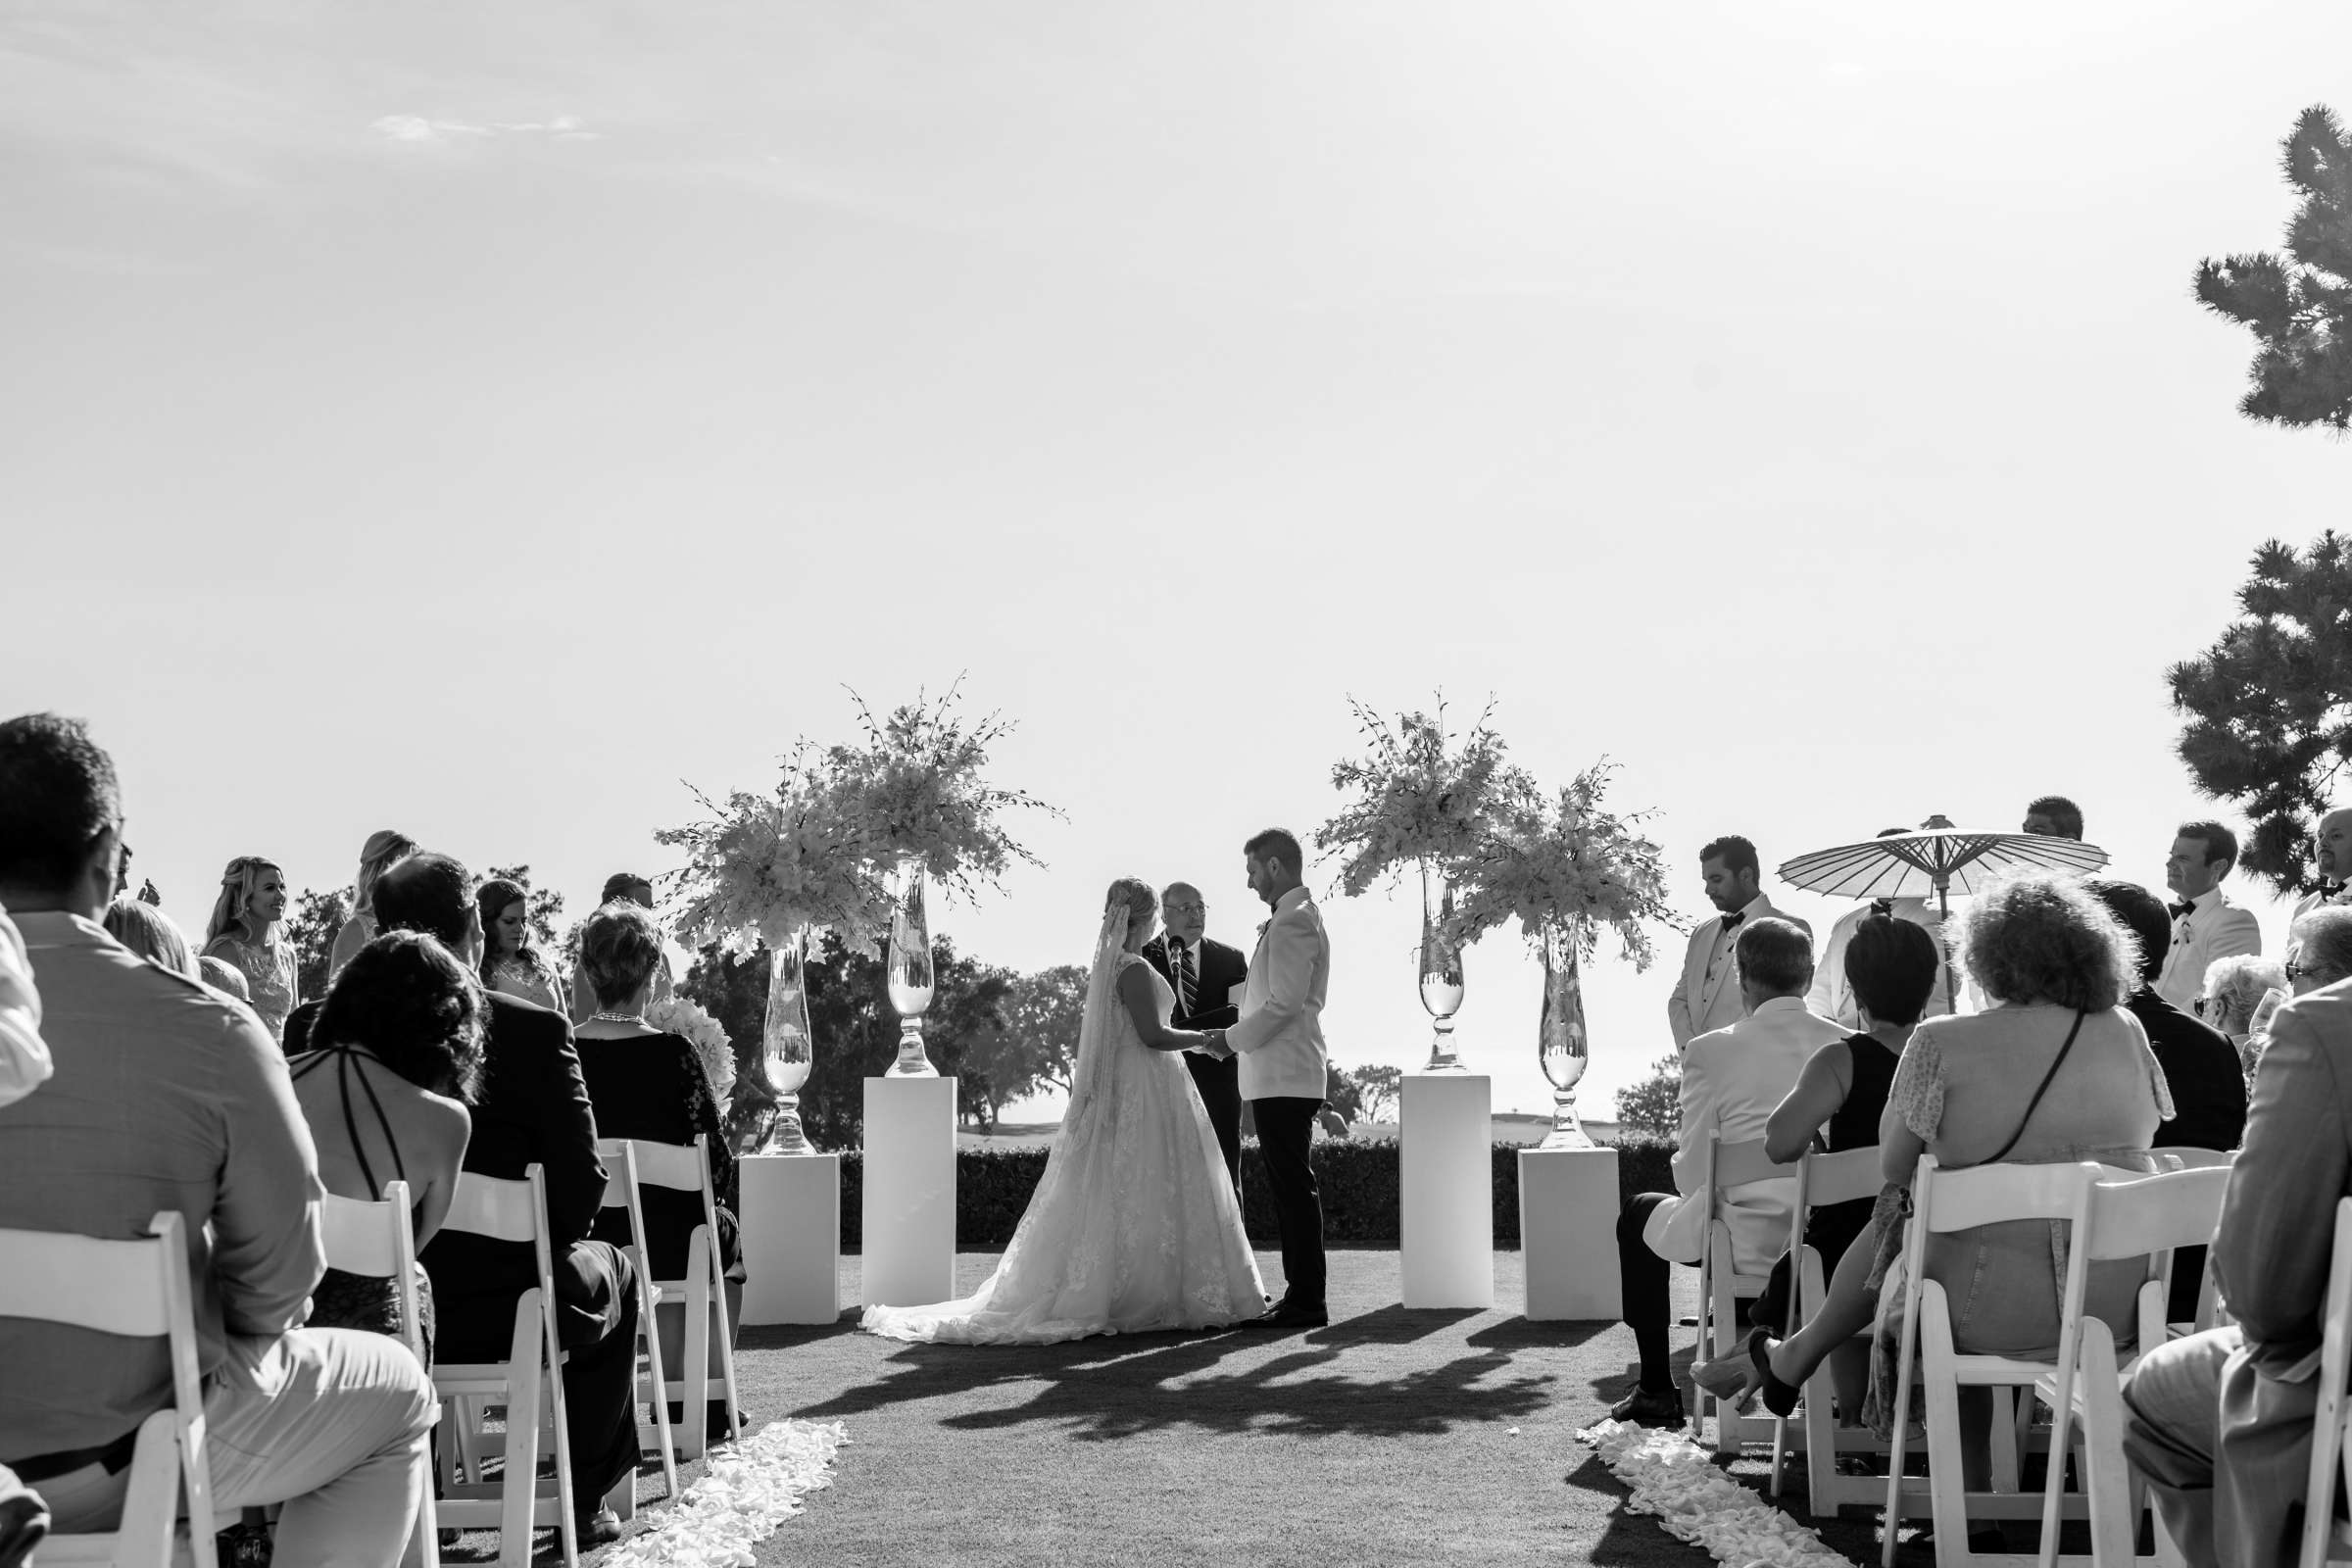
{"type": "Point", "coordinates": [1134, 1226]}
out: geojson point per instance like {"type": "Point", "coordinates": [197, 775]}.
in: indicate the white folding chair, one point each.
{"type": "Point", "coordinates": [702, 1293]}
{"type": "Point", "coordinates": [1942, 1202]}
{"type": "Point", "coordinates": [138, 1290]}
{"type": "Point", "coordinates": [1722, 1287]}
{"type": "Point", "coordinates": [2122, 1217]}
{"type": "Point", "coordinates": [379, 1240]}
{"type": "Point", "coordinates": [1851, 1175]}
{"type": "Point", "coordinates": [530, 1382]}
{"type": "Point", "coordinates": [2326, 1538]}
{"type": "Point", "coordinates": [652, 1387]}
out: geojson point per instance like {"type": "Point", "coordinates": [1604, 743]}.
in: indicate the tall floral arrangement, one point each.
{"type": "Point", "coordinates": [1423, 797]}
{"type": "Point", "coordinates": [917, 788]}
{"type": "Point", "coordinates": [1572, 864]}
{"type": "Point", "coordinates": [762, 867]}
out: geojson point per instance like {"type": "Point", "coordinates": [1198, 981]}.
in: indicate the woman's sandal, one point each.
{"type": "Point", "coordinates": [1778, 1397]}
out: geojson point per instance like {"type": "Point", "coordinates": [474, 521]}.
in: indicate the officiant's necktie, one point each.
{"type": "Point", "coordinates": [1187, 987]}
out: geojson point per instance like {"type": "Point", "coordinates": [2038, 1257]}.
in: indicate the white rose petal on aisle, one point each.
{"type": "Point", "coordinates": [1676, 1479]}
{"type": "Point", "coordinates": [747, 1490]}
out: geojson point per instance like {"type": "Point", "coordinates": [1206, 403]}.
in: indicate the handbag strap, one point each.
{"type": "Point", "coordinates": [2034, 1104]}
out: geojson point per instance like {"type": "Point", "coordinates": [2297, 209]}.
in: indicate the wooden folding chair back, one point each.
{"type": "Point", "coordinates": [1720, 1285]}
{"type": "Point", "coordinates": [1943, 1202]}
{"type": "Point", "coordinates": [702, 1293]}
{"type": "Point", "coordinates": [2326, 1538]}
{"type": "Point", "coordinates": [2124, 1215]}
{"type": "Point", "coordinates": [379, 1241]}
{"type": "Point", "coordinates": [621, 1192]}
{"type": "Point", "coordinates": [138, 1290]}
{"type": "Point", "coordinates": [1851, 1175]}
{"type": "Point", "coordinates": [530, 1382]}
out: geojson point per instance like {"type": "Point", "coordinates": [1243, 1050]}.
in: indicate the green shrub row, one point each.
{"type": "Point", "coordinates": [1359, 1182]}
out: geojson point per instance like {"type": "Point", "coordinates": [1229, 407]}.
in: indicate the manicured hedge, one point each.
{"type": "Point", "coordinates": [1358, 1179]}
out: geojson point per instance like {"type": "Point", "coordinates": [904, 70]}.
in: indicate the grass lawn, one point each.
{"type": "Point", "coordinates": [1390, 1436]}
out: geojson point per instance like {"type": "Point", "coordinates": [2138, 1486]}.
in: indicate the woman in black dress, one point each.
{"type": "Point", "coordinates": [395, 1055]}
{"type": "Point", "coordinates": [649, 1084]}
{"type": "Point", "coordinates": [1892, 965]}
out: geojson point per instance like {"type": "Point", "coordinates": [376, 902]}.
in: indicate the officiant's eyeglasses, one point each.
{"type": "Point", "coordinates": [1188, 909]}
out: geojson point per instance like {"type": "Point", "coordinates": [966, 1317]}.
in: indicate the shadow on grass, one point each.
{"type": "Point", "coordinates": [1121, 1385]}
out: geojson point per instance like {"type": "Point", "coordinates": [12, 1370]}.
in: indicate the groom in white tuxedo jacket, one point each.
{"type": "Point", "coordinates": [1279, 1039]}
{"type": "Point", "coordinates": [1708, 997]}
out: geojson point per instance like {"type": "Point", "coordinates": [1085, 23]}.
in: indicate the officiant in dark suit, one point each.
{"type": "Point", "coordinates": [1203, 973]}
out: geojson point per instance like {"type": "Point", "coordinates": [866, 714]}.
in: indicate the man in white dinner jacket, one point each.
{"type": "Point", "coordinates": [1279, 1039]}
{"type": "Point", "coordinates": [1708, 997]}
{"type": "Point", "coordinates": [1732, 1079]}
{"type": "Point", "coordinates": [2206, 925]}
{"type": "Point", "coordinates": [2332, 862]}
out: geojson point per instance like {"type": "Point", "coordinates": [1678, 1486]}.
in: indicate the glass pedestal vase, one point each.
{"type": "Point", "coordinates": [1441, 966]}
{"type": "Point", "coordinates": [911, 980]}
{"type": "Point", "coordinates": [1562, 1046]}
{"type": "Point", "coordinates": [786, 1054]}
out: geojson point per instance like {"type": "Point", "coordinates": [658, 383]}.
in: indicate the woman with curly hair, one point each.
{"type": "Point", "coordinates": [511, 965]}
{"type": "Point", "coordinates": [247, 930]}
{"type": "Point", "coordinates": [396, 1058]}
{"type": "Point", "coordinates": [2053, 1072]}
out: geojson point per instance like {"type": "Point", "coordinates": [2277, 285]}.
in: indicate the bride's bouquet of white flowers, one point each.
{"type": "Point", "coordinates": [1568, 864]}
{"type": "Point", "coordinates": [1421, 800]}
{"type": "Point", "coordinates": [917, 790]}
{"type": "Point", "coordinates": [674, 1015]}
{"type": "Point", "coordinates": [763, 867]}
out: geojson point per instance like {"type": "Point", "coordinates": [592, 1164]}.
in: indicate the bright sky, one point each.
{"type": "Point", "coordinates": [477, 420]}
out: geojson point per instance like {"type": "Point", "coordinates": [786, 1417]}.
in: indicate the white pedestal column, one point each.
{"type": "Point", "coordinates": [791, 1237]}
{"type": "Point", "coordinates": [909, 1187]}
{"type": "Point", "coordinates": [1568, 1208]}
{"type": "Point", "coordinates": [1446, 1230]}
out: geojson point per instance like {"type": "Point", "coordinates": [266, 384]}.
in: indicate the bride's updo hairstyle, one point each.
{"type": "Point", "coordinates": [1142, 903]}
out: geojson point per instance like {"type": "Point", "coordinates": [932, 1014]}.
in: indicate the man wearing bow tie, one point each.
{"type": "Point", "coordinates": [1203, 974]}
{"type": "Point", "coordinates": [2206, 925]}
{"type": "Point", "coordinates": [1708, 998]}
{"type": "Point", "coordinates": [2334, 862]}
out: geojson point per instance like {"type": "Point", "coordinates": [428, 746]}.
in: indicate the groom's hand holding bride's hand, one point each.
{"type": "Point", "coordinates": [1217, 1046]}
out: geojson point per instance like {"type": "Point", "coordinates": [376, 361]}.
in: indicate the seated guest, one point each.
{"type": "Point", "coordinates": [2320, 952]}
{"type": "Point", "coordinates": [2206, 925]}
{"type": "Point", "coordinates": [384, 847]}
{"type": "Point", "coordinates": [510, 962]}
{"type": "Point", "coordinates": [395, 1054]}
{"type": "Point", "coordinates": [2200, 1065]}
{"type": "Point", "coordinates": [2220, 1423]}
{"type": "Point", "coordinates": [166, 1098]}
{"type": "Point", "coordinates": [227, 978]}
{"type": "Point", "coordinates": [1891, 969]}
{"type": "Point", "coordinates": [2234, 987]}
{"type": "Point", "coordinates": [650, 1085]}
{"type": "Point", "coordinates": [153, 934]}
{"type": "Point", "coordinates": [247, 929]}
{"type": "Point", "coordinates": [1731, 1080]}
{"type": "Point", "coordinates": [532, 1110]}
{"type": "Point", "coordinates": [2055, 1071]}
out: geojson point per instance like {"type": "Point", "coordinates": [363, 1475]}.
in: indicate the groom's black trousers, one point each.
{"type": "Point", "coordinates": [1286, 1130]}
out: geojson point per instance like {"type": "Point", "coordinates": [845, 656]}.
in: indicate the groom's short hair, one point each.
{"type": "Point", "coordinates": [1279, 845]}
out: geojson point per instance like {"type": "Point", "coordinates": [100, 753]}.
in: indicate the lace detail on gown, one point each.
{"type": "Point", "coordinates": [1133, 1227]}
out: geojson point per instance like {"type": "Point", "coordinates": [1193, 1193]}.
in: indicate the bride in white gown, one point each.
{"type": "Point", "coordinates": [1135, 1225]}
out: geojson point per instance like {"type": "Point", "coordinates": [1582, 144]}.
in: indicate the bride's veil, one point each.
{"type": "Point", "coordinates": [1101, 997]}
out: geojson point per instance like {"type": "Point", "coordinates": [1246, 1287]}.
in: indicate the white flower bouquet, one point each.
{"type": "Point", "coordinates": [1419, 798]}
{"type": "Point", "coordinates": [673, 1014]}
{"type": "Point", "coordinates": [917, 789]}
{"type": "Point", "coordinates": [761, 867]}
{"type": "Point", "coordinates": [1572, 864]}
